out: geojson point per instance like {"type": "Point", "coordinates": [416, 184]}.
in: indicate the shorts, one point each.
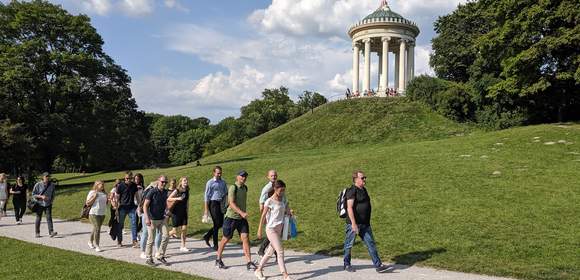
{"type": "Point", "coordinates": [233, 224]}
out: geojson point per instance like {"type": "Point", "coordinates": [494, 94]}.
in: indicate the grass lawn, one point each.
{"type": "Point", "coordinates": [444, 195]}
{"type": "Point", "coordinates": [435, 203]}
{"type": "Point", "coordinates": [22, 260]}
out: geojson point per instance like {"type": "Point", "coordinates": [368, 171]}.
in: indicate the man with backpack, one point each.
{"type": "Point", "coordinates": [358, 222]}
{"type": "Point", "coordinates": [43, 193]}
{"type": "Point", "coordinates": [236, 218]}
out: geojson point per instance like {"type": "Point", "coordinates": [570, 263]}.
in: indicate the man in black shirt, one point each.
{"type": "Point", "coordinates": [358, 222]}
{"type": "Point", "coordinates": [154, 208]}
{"type": "Point", "coordinates": [126, 191]}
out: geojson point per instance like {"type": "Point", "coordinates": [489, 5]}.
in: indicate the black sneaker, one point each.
{"type": "Point", "coordinates": [163, 260]}
{"type": "Point", "coordinates": [149, 262]}
{"type": "Point", "coordinates": [220, 264]}
{"type": "Point", "coordinates": [349, 268]}
{"type": "Point", "coordinates": [53, 234]}
{"type": "Point", "coordinates": [206, 239]}
{"type": "Point", "coordinates": [251, 266]}
{"type": "Point", "coordinates": [37, 235]}
{"type": "Point", "coordinates": [382, 268]}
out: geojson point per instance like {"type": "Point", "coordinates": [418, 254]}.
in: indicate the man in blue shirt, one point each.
{"type": "Point", "coordinates": [216, 191]}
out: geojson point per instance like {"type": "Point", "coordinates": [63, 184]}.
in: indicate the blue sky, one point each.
{"type": "Point", "coordinates": [209, 58]}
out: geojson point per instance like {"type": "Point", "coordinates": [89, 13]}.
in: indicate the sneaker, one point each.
{"type": "Point", "coordinates": [53, 234]}
{"type": "Point", "coordinates": [149, 262]}
{"type": "Point", "coordinates": [135, 244]}
{"type": "Point", "coordinates": [183, 249]}
{"type": "Point", "coordinates": [143, 256]}
{"type": "Point", "coordinates": [163, 260]}
{"type": "Point", "coordinates": [251, 266]}
{"type": "Point", "coordinates": [19, 222]}
{"type": "Point", "coordinates": [119, 245]}
{"type": "Point", "coordinates": [382, 268]}
{"type": "Point", "coordinates": [220, 264]}
{"type": "Point", "coordinates": [260, 275]}
{"type": "Point", "coordinates": [349, 268]}
{"type": "Point", "coordinates": [98, 249]}
{"type": "Point", "coordinates": [91, 245]}
{"type": "Point", "coordinates": [206, 239]}
{"type": "Point", "coordinates": [37, 235]}
{"type": "Point", "coordinates": [288, 278]}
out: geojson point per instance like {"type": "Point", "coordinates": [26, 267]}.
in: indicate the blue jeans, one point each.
{"type": "Point", "coordinates": [123, 212]}
{"type": "Point", "coordinates": [366, 233]}
{"type": "Point", "coordinates": [145, 235]}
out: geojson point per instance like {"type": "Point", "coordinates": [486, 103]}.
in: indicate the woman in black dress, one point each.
{"type": "Point", "coordinates": [180, 199]}
{"type": "Point", "coordinates": [18, 192]}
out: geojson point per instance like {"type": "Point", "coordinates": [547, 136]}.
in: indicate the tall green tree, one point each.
{"type": "Point", "coordinates": [64, 93]}
{"type": "Point", "coordinates": [262, 115]}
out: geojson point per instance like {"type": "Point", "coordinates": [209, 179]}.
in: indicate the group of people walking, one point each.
{"type": "Point", "coordinates": [151, 209]}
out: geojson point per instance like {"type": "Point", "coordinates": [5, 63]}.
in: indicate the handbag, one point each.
{"type": "Point", "coordinates": [87, 208]}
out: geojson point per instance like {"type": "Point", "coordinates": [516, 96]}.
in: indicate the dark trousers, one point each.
{"type": "Point", "coordinates": [215, 210]}
{"type": "Point", "coordinates": [48, 211]}
{"type": "Point", "coordinates": [19, 208]}
{"type": "Point", "coordinates": [125, 211]}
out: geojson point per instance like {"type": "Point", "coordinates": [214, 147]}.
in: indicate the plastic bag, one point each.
{"type": "Point", "coordinates": [293, 228]}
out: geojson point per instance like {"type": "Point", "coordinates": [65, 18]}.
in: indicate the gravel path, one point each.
{"type": "Point", "coordinates": [73, 236]}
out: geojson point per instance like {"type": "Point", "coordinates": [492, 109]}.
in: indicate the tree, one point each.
{"type": "Point", "coordinates": [189, 146]}
{"type": "Point", "coordinates": [165, 130]}
{"type": "Point", "coordinates": [308, 101]}
{"type": "Point", "coordinates": [64, 93]}
{"type": "Point", "coordinates": [262, 115]}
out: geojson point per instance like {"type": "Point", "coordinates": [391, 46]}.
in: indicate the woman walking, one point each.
{"type": "Point", "coordinates": [275, 208]}
{"type": "Point", "coordinates": [172, 187]}
{"type": "Point", "coordinates": [18, 192]}
{"type": "Point", "coordinates": [98, 200]}
{"type": "Point", "coordinates": [180, 196]}
{"type": "Point", "coordinates": [3, 194]}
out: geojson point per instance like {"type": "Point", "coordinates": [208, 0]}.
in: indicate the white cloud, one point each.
{"type": "Point", "coordinates": [136, 7]}
{"type": "Point", "coordinates": [175, 4]}
{"type": "Point", "coordinates": [422, 54]}
{"type": "Point", "coordinates": [100, 7]}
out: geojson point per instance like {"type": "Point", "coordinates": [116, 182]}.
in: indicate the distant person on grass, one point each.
{"type": "Point", "coordinates": [43, 193]}
{"type": "Point", "coordinates": [179, 216]}
{"type": "Point", "coordinates": [140, 196]}
{"type": "Point", "coordinates": [154, 209]}
{"type": "Point", "coordinates": [18, 192]}
{"type": "Point", "coordinates": [275, 209]}
{"type": "Point", "coordinates": [236, 219]}
{"type": "Point", "coordinates": [3, 194]}
{"type": "Point", "coordinates": [215, 200]}
{"type": "Point", "coordinates": [358, 222]}
{"type": "Point", "coordinates": [98, 200]}
{"type": "Point", "coordinates": [126, 191]}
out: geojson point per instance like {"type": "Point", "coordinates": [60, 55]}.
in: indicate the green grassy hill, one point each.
{"type": "Point", "coordinates": [353, 122]}
{"type": "Point", "coordinates": [500, 203]}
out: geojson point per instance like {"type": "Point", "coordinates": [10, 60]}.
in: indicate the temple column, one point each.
{"type": "Point", "coordinates": [412, 61]}
{"type": "Point", "coordinates": [396, 82]}
{"type": "Point", "coordinates": [355, 67]}
{"type": "Point", "coordinates": [402, 65]}
{"type": "Point", "coordinates": [367, 66]}
{"type": "Point", "coordinates": [385, 66]}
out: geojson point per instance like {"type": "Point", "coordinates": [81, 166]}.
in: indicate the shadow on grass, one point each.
{"type": "Point", "coordinates": [412, 258]}
{"type": "Point", "coordinates": [230, 160]}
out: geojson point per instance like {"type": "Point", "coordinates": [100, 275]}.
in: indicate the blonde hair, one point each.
{"type": "Point", "coordinates": [3, 177]}
{"type": "Point", "coordinates": [172, 184]}
{"type": "Point", "coordinates": [97, 184]}
{"type": "Point", "coordinates": [180, 186]}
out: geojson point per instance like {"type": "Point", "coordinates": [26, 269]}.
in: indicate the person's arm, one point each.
{"type": "Point", "coordinates": [173, 196]}
{"type": "Point", "coordinates": [262, 221]}
{"type": "Point", "coordinates": [91, 198]}
{"type": "Point", "coordinates": [206, 198]}
{"type": "Point", "coordinates": [232, 201]}
{"type": "Point", "coordinates": [350, 210]}
{"type": "Point", "coordinates": [146, 211]}
{"type": "Point", "coordinates": [263, 197]}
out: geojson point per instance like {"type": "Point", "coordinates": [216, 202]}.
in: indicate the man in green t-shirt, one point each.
{"type": "Point", "coordinates": [236, 218]}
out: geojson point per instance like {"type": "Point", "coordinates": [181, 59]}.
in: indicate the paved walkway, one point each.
{"type": "Point", "coordinates": [73, 236]}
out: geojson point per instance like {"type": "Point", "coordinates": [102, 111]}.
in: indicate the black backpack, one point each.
{"type": "Point", "coordinates": [341, 203]}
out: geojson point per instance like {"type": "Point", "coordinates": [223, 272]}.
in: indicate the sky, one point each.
{"type": "Point", "coordinates": [208, 58]}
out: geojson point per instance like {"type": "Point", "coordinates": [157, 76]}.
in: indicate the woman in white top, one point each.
{"type": "Point", "coordinates": [3, 194]}
{"type": "Point", "coordinates": [98, 200]}
{"type": "Point", "coordinates": [273, 216]}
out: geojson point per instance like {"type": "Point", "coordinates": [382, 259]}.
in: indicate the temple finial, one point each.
{"type": "Point", "coordinates": [384, 5]}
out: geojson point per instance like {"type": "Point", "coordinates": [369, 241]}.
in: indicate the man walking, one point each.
{"type": "Point", "coordinates": [236, 219]}
{"type": "Point", "coordinates": [358, 222]}
{"type": "Point", "coordinates": [43, 192]}
{"type": "Point", "coordinates": [154, 208]}
{"type": "Point", "coordinates": [216, 191]}
{"type": "Point", "coordinates": [126, 197]}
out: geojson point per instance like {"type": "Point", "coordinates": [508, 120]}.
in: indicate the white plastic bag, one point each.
{"type": "Point", "coordinates": [286, 229]}
{"type": "Point", "coordinates": [206, 219]}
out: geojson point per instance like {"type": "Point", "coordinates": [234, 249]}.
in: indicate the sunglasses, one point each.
{"type": "Point", "coordinates": [163, 182]}
{"type": "Point", "coordinates": [363, 178]}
